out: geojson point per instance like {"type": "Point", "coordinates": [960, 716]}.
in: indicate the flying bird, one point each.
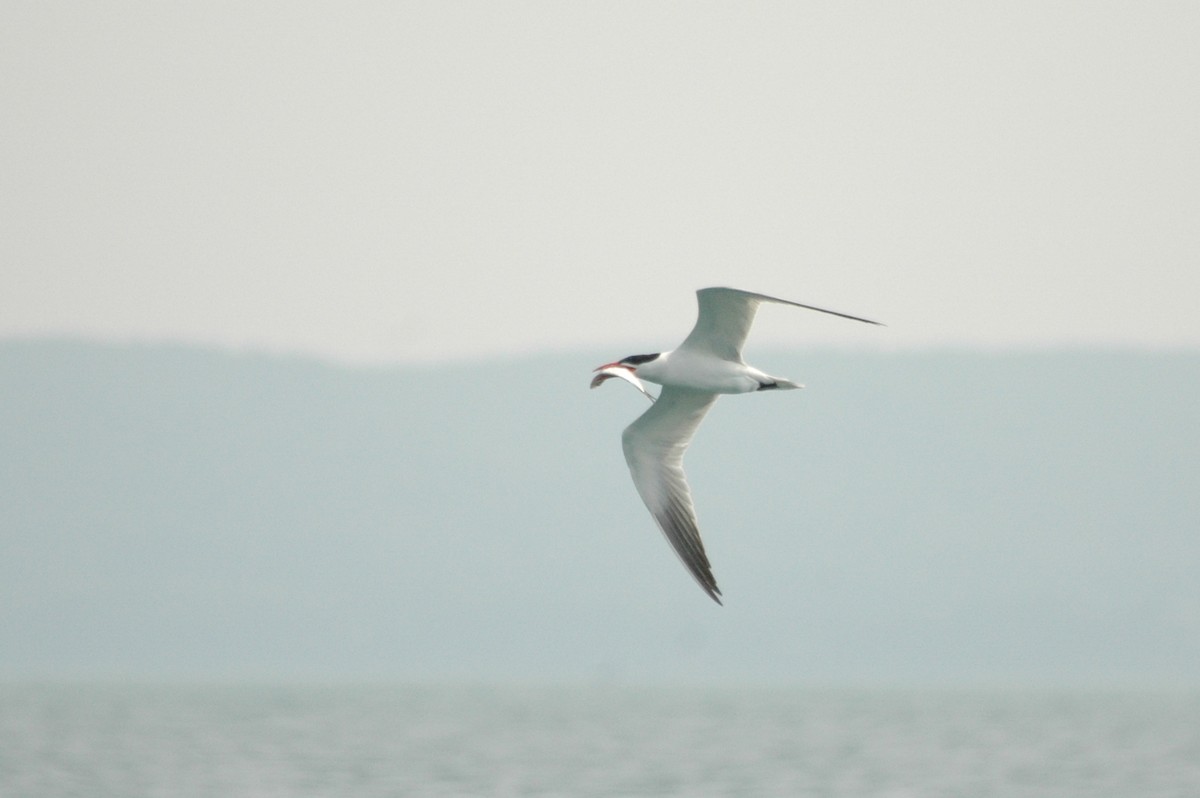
{"type": "Point", "coordinates": [708, 363]}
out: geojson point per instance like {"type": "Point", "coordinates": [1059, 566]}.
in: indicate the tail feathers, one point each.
{"type": "Point", "coordinates": [778, 384]}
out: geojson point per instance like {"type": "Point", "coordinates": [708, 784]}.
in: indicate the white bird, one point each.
{"type": "Point", "coordinates": [708, 363]}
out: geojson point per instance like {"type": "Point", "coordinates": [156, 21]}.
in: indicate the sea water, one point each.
{"type": "Point", "coordinates": [264, 741]}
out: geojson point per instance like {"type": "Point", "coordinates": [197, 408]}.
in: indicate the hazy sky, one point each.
{"type": "Point", "coordinates": [396, 181]}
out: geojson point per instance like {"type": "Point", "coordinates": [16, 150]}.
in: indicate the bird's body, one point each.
{"type": "Point", "coordinates": [708, 363]}
{"type": "Point", "coordinates": [700, 371]}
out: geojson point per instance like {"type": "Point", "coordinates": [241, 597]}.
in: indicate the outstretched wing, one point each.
{"type": "Point", "coordinates": [654, 445]}
{"type": "Point", "coordinates": [725, 318]}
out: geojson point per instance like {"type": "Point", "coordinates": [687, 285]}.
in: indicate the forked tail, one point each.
{"type": "Point", "coordinates": [778, 384]}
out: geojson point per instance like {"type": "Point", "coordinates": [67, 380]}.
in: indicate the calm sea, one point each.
{"type": "Point", "coordinates": [233, 741]}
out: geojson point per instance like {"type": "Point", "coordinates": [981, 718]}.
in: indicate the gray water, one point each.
{"type": "Point", "coordinates": [129, 741]}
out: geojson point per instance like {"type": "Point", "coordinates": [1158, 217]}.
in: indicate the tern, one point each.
{"type": "Point", "coordinates": [707, 364]}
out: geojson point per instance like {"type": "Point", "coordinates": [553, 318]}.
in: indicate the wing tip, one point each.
{"type": "Point", "coordinates": [757, 297]}
{"type": "Point", "coordinates": [702, 573]}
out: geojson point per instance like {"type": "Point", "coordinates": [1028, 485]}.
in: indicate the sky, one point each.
{"type": "Point", "coordinates": [379, 182]}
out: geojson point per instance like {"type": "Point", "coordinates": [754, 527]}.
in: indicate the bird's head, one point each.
{"type": "Point", "coordinates": [624, 368]}
{"type": "Point", "coordinates": [632, 362]}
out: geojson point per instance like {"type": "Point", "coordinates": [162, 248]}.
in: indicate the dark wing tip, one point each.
{"type": "Point", "coordinates": [715, 595]}
{"type": "Point", "coordinates": [710, 586]}
{"type": "Point", "coordinates": [680, 528]}
{"type": "Point", "coordinates": [838, 313]}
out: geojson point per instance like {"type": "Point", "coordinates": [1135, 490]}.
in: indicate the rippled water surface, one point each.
{"type": "Point", "coordinates": [129, 741]}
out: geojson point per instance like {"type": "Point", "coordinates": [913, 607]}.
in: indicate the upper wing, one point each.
{"type": "Point", "coordinates": [654, 445]}
{"type": "Point", "coordinates": [725, 318]}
